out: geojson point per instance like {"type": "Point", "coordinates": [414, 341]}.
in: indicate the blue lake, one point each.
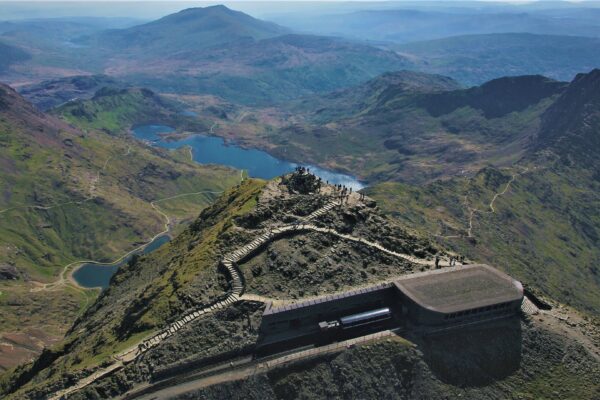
{"type": "Point", "coordinates": [98, 275]}
{"type": "Point", "coordinates": [214, 150]}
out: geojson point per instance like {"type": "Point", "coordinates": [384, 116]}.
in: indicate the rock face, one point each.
{"type": "Point", "coordinates": [49, 94]}
{"type": "Point", "coordinates": [9, 272]}
{"type": "Point", "coordinates": [570, 125]}
{"type": "Point", "coordinates": [496, 98]}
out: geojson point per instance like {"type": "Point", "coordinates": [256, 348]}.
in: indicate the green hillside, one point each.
{"type": "Point", "coordinates": [114, 110]}
{"type": "Point", "coordinates": [71, 195]}
{"type": "Point", "coordinates": [147, 293]}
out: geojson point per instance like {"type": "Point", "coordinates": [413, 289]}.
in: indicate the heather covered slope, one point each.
{"type": "Point", "coordinates": [70, 195]}
{"type": "Point", "coordinates": [52, 93]}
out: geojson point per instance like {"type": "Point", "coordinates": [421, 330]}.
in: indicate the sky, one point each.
{"type": "Point", "coordinates": [24, 9]}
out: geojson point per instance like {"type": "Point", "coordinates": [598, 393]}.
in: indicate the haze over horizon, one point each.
{"type": "Point", "coordinates": [24, 9]}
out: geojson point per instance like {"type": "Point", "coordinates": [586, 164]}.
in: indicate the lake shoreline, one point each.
{"type": "Point", "coordinates": [220, 150]}
{"type": "Point", "coordinates": [142, 249]}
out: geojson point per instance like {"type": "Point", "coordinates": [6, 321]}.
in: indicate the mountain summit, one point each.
{"type": "Point", "coordinates": [191, 29]}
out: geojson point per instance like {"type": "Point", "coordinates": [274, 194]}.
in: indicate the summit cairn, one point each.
{"type": "Point", "coordinates": [301, 181]}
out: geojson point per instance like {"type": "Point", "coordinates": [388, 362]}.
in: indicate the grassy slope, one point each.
{"type": "Point", "coordinates": [47, 239]}
{"type": "Point", "coordinates": [147, 293]}
{"type": "Point", "coordinates": [115, 110]}
{"type": "Point", "coordinates": [544, 230]}
{"type": "Point", "coordinates": [101, 188]}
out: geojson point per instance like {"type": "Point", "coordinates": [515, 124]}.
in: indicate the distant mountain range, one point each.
{"type": "Point", "coordinates": [474, 59]}
{"type": "Point", "coordinates": [219, 51]}
{"type": "Point", "coordinates": [403, 24]}
{"type": "Point", "coordinates": [244, 60]}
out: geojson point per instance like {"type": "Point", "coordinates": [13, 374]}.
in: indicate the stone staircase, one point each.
{"type": "Point", "coordinates": [321, 211]}
{"type": "Point", "coordinates": [528, 307]}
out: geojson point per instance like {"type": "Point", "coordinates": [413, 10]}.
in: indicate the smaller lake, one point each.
{"type": "Point", "coordinates": [214, 150]}
{"type": "Point", "coordinates": [98, 275]}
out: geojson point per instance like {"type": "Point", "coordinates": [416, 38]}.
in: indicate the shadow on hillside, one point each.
{"type": "Point", "coordinates": [476, 356]}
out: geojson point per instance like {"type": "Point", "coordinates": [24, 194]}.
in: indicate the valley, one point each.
{"type": "Point", "coordinates": [341, 200]}
{"type": "Point", "coordinates": [70, 209]}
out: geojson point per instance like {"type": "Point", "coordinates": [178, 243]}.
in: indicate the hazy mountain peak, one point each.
{"type": "Point", "coordinates": [192, 29]}
{"type": "Point", "coordinates": [189, 14]}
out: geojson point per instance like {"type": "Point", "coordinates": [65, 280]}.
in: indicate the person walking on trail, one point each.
{"type": "Point", "coordinates": [437, 262]}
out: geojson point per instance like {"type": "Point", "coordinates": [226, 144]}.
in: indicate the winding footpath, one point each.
{"type": "Point", "coordinates": [492, 210]}
{"type": "Point", "coordinates": [236, 293]}
{"type": "Point", "coordinates": [472, 211]}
